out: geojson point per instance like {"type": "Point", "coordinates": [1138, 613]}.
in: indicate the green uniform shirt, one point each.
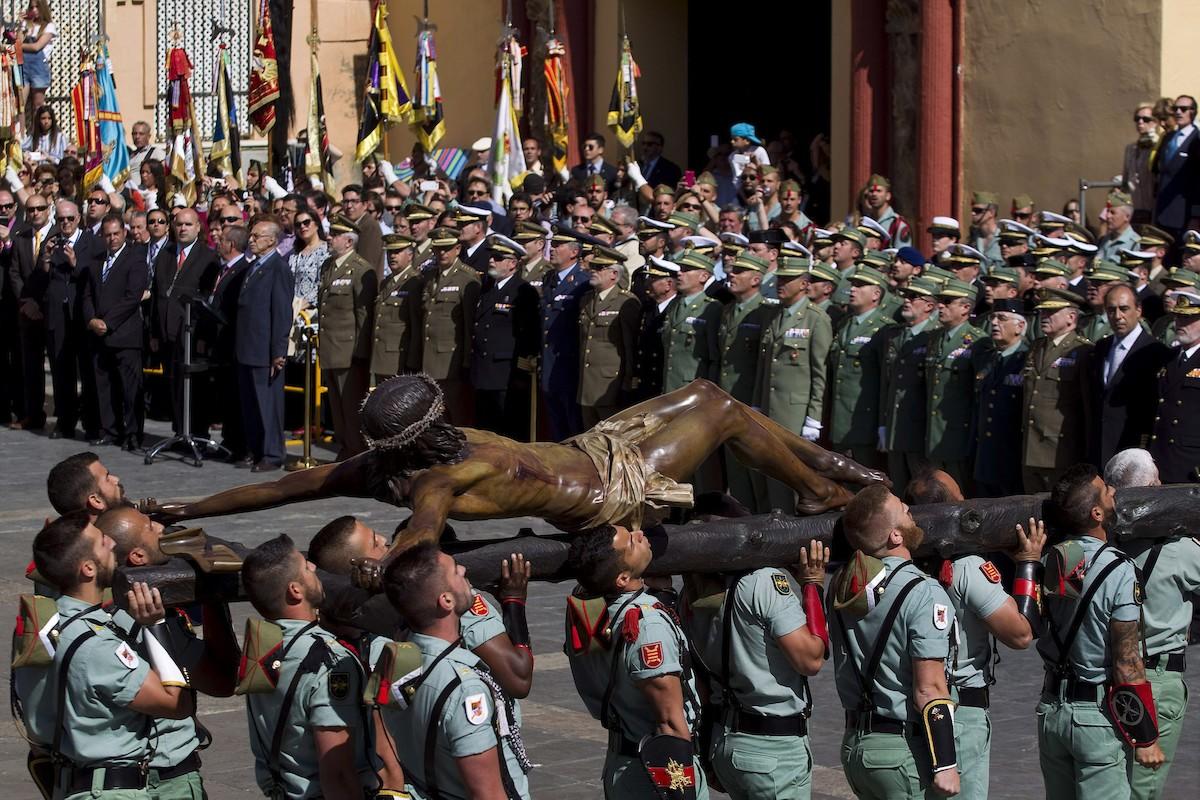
{"type": "Point", "coordinates": [346, 299]}
{"type": "Point", "coordinates": [1112, 245]}
{"type": "Point", "coordinates": [921, 630]}
{"type": "Point", "coordinates": [1175, 578]}
{"type": "Point", "coordinates": [1094, 326]}
{"type": "Point", "coordinates": [465, 728]}
{"type": "Point", "coordinates": [990, 247]}
{"type": "Point", "coordinates": [790, 384]}
{"type": "Point", "coordinates": [608, 328]}
{"type": "Point", "coordinates": [397, 311]}
{"type": "Point", "coordinates": [976, 593]}
{"type": "Point", "coordinates": [1114, 600]}
{"type": "Point", "coordinates": [855, 367]}
{"type": "Point", "coordinates": [952, 361]}
{"type": "Point", "coordinates": [740, 337]}
{"type": "Point", "coordinates": [689, 335]}
{"type": "Point", "coordinates": [766, 606]}
{"type": "Point", "coordinates": [328, 697]}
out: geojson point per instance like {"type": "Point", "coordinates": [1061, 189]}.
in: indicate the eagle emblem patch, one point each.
{"type": "Point", "coordinates": [781, 583]}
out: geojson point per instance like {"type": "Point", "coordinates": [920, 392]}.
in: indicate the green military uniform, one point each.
{"type": "Point", "coordinates": [1112, 244]}
{"type": "Point", "coordinates": [973, 585]}
{"type": "Point", "coordinates": [881, 735]}
{"type": "Point", "coordinates": [473, 718]}
{"type": "Point", "coordinates": [608, 329]}
{"type": "Point", "coordinates": [655, 646]}
{"type": "Point", "coordinates": [856, 366]}
{"type": "Point", "coordinates": [790, 385]}
{"type": "Point", "coordinates": [1170, 583]}
{"type": "Point", "coordinates": [1094, 326]}
{"type": "Point", "coordinates": [952, 361]}
{"type": "Point", "coordinates": [448, 308]}
{"type": "Point", "coordinates": [1057, 400]}
{"type": "Point", "coordinates": [756, 681]}
{"type": "Point", "coordinates": [902, 403]}
{"type": "Point", "coordinates": [690, 341]}
{"type": "Point", "coordinates": [397, 311]}
{"type": "Point", "coordinates": [1081, 753]}
{"type": "Point", "coordinates": [328, 696]}
{"type": "Point", "coordinates": [534, 272]}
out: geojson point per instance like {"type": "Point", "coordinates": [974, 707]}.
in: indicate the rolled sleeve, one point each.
{"type": "Point", "coordinates": [467, 733]}
{"type": "Point", "coordinates": [654, 653]}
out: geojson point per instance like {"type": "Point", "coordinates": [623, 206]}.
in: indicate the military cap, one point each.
{"type": "Point", "coordinates": [604, 256]}
{"type": "Point", "coordinates": [685, 220]}
{"type": "Point", "coordinates": [729, 237]}
{"type": "Point", "coordinates": [955, 289]}
{"type": "Point", "coordinates": [442, 237]}
{"type": "Point", "coordinates": [1117, 199]}
{"type": "Point", "coordinates": [1022, 201]}
{"type": "Point", "coordinates": [822, 237]}
{"type": "Point", "coordinates": [690, 259]}
{"type": "Point", "coordinates": [340, 223]}
{"type": "Point", "coordinates": [823, 272]}
{"type": "Point", "coordinates": [1025, 261]}
{"type": "Point", "coordinates": [985, 199]}
{"type": "Point", "coordinates": [601, 225]}
{"type": "Point", "coordinates": [660, 267]}
{"type": "Point", "coordinates": [851, 235]}
{"type": "Point", "coordinates": [1049, 221]}
{"type": "Point", "coordinates": [793, 267]}
{"type": "Point", "coordinates": [795, 248]}
{"type": "Point", "coordinates": [1136, 258]}
{"type": "Point", "coordinates": [922, 286]}
{"type": "Point", "coordinates": [501, 245]}
{"type": "Point", "coordinates": [1080, 247]}
{"type": "Point", "coordinates": [395, 242]}
{"type": "Point", "coordinates": [1078, 233]}
{"type": "Point", "coordinates": [564, 235]}
{"type": "Point", "coordinates": [771, 236]}
{"type": "Point", "coordinates": [528, 231]}
{"type": "Point", "coordinates": [871, 228]}
{"type": "Point", "coordinates": [878, 180]}
{"type": "Point", "coordinates": [1052, 268]}
{"type": "Point", "coordinates": [1054, 299]}
{"type": "Point", "coordinates": [648, 226]}
{"type": "Point", "coordinates": [938, 273]}
{"type": "Point", "coordinates": [1002, 275]}
{"type": "Point", "coordinates": [747, 260]}
{"type": "Point", "coordinates": [1178, 276]}
{"type": "Point", "coordinates": [702, 243]}
{"type": "Point", "coordinates": [662, 188]}
{"type": "Point", "coordinates": [947, 226]}
{"type": "Point", "coordinates": [1191, 241]}
{"type": "Point", "coordinates": [1013, 231]}
{"type": "Point", "coordinates": [1106, 272]}
{"type": "Point", "coordinates": [1009, 305]}
{"type": "Point", "coordinates": [417, 212]}
{"type": "Point", "coordinates": [1155, 237]}
{"type": "Point", "coordinates": [1187, 302]}
{"type": "Point", "coordinates": [869, 275]}
{"type": "Point", "coordinates": [468, 214]}
{"type": "Point", "coordinates": [963, 255]}
{"type": "Point", "coordinates": [877, 259]}
{"type": "Point", "coordinates": [706, 178]}
{"type": "Point", "coordinates": [911, 255]}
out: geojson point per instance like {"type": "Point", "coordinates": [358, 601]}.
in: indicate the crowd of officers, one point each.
{"type": "Point", "coordinates": [703, 688]}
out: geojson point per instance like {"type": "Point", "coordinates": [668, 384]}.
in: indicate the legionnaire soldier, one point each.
{"type": "Point", "coordinates": [633, 671]}
{"type": "Point", "coordinates": [890, 626]}
{"type": "Point", "coordinates": [760, 637]}
{"type": "Point", "coordinates": [879, 198]}
{"type": "Point", "coordinates": [999, 404]}
{"type": "Point", "coordinates": [662, 287]}
{"type": "Point", "coordinates": [1169, 572]}
{"type": "Point", "coordinates": [608, 329]}
{"type": "Point", "coordinates": [902, 402]}
{"type": "Point", "coordinates": [346, 297]}
{"type": "Point", "coordinates": [984, 229]}
{"type": "Point", "coordinates": [1058, 402]}
{"type": "Point", "coordinates": [1121, 235]}
{"type": "Point", "coordinates": [792, 362]}
{"type": "Point", "coordinates": [448, 303]}
{"type": "Point", "coordinates": [855, 369]}
{"type": "Point", "coordinates": [397, 308]}
{"type": "Point", "coordinates": [690, 331]}
{"type": "Point", "coordinates": [1096, 704]}
{"type": "Point", "coordinates": [533, 266]}
{"type": "Point", "coordinates": [452, 714]}
{"type": "Point", "coordinates": [956, 352]}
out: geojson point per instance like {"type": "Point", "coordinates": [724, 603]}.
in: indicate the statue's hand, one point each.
{"type": "Point", "coordinates": [367, 573]}
{"type": "Point", "coordinates": [163, 512]}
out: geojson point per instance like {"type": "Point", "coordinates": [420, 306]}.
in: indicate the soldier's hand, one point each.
{"type": "Point", "coordinates": [514, 577]}
{"type": "Point", "coordinates": [813, 561]}
{"type": "Point", "coordinates": [1151, 757]}
{"type": "Point", "coordinates": [1029, 547]}
{"type": "Point", "coordinates": [367, 573]}
{"type": "Point", "coordinates": [946, 782]}
{"type": "Point", "coordinates": [146, 505]}
{"type": "Point", "coordinates": [145, 605]}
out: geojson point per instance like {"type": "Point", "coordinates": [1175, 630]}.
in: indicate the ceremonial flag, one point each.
{"type": "Point", "coordinates": [317, 159]}
{"type": "Point", "coordinates": [87, 124]}
{"type": "Point", "coordinates": [507, 158]}
{"type": "Point", "coordinates": [226, 153]}
{"type": "Point", "coordinates": [112, 128]}
{"type": "Point", "coordinates": [427, 123]}
{"type": "Point", "coordinates": [185, 156]}
{"type": "Point", "coordinates": [624, 113]}
{"type": "Point", "coordinates": [557, 118]}
{"type": "Point", "coordinates": [264, 73]}
{"type": "Point", "coordinates": [386, 100]}
{"type": "Point", "coordinates": [10, 105]}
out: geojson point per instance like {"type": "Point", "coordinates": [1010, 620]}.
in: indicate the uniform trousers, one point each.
{"type": "Point", "coordinates": [881, 766]}
{"type": "Point", "coordinates": [262, 412]}
{"type": "Point", "coordinates": [347, 388]}
{"type": "Point", "coordinates": [1081, 753]}
{"type": "Point", "coordinates": [1170, 700]}
{"type": "Point", "coordinates": [752, 767]}
{"type": "Point", "coordinates": [973, 749]}
{"type": "Point", "coordinates": [188, 786]}
{"type": "Point", "coordinates": [118, 372]}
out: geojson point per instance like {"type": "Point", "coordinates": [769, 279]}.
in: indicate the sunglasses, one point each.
{"type": "Point", "coordinates": [1183, 108]}
{"type": "Point", "coordinates": [581, 219]}
{"type": "Point", "coordinates": [100, 201]}
{"type": "Point", "coordinates": [1140, 118]}
{"type": "Point", "coordinates": [304, 223]}
{"type": "Point", "coordinates": [476, 193]}
{"type": "Point", "coordinates": [7, 205]}
{"type": "Point", "coordinates": [156, 222]}
{"type": "Point", "coordinates": [1022, 215]}
{"type": "Point", "coordinates": [394, 209]}
{"type": "Point", "coordinates": [68, 218]}
{"type": "Point", "coordinates": [978, 209]}
{"type": "Point", "coordinates": [689, 207]}
{"type": "Point", "coordinates": [36, 208]}
{"type": "Point", "coordinates": [230, 220]}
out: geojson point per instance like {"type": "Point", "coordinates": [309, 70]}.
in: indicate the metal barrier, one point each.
{"type": "Point", "coordinates": [1084, 185]}
{"type": "Point", "coordinates": [312, 377]}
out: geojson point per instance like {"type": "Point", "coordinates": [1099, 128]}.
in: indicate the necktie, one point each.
{"type": "Point", "coordinates": [180, 260]}
{"type": "Point", "coordinates": [37, 243]}
{"type": "Point", "coordinates": [592, 169]}
{"type": "Point", "coordinates": [1173, 145]}
{"type": "Point", "coordinates": [108, 262]}
{"type": "Point", "coordinates": [1111, 366]}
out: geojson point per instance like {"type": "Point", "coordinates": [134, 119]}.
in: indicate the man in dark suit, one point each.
{"type": "Point", "coordinates": [12, 398]}
{"type": "Point", "coordinates": [1126, 364]}
{"type": "Point", "coordinates": [68, 256]}
{"type": "Point", "coordinates": [218, 335]}
{"type": "Point", "coordinates": [370, 235]}
{"type": "Point", "coordinates": [657, 169]}
{"type": "Point", "coordinates": [263, 324]}
{"type": "Point", "coordinates": [505, 331]}
{"type": "Point", "coordinates": [184, 270]}
{"type": "Point", "coordinates": [1175, 441]}
{"type": "Point", "coordinates": [564, 286]}
{"type": "Point", "coordinates": [111, 304]}
{"type": "Point", "coordinates": [1177, 170]}
{"type": "Point", "coordinates": [28, 283]}
{"type": "Point", "coordinates": [594, 163]}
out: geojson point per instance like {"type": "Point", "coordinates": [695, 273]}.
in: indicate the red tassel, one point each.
{"type": "Point", "coordinates": [946, 576]}
{"type": "Point", "coordinates": [631, 624]}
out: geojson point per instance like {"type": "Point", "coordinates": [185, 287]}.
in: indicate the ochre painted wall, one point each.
{"type": "Point", "coordinates": [1180, 56]}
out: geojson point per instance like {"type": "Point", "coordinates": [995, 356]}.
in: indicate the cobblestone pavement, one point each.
{"type": "Point", "coordinates": [564, 741]}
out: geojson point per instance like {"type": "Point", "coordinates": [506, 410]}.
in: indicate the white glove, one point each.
{"type": "Point", "coordinates": [14, 181]}
{"type": "Point", "coordinates": [811, 430]}
{"type": "Point", "coordinates": [273, 188]}
{"type": "Point", "coordinates": [388, 172]}
{"type": "Point", "coordinates": [178, 201]}
{"type": "Point", "coordinates": [635, 174]}
{"type": "Point", "coordinates": [316, 183]}
{"type": "Point", "coordinates": [881, 445]}
{"type": "Point", "coordinates": [106, 184]}
{"type": "Point", "coordinates": [564, 174]}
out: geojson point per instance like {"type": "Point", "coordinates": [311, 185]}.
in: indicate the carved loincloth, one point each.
{"type": "Point", "coordinates": [630, 487]}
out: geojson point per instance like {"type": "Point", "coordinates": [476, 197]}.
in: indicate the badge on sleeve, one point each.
{"type": "Point", "coordinates": [479, 606]}
{"type": "Point", "coordinates": [1137, 592]}
{"type": "Point", "coordinates": [652, 655]}
{"type": "Point", "coordinates": [941, 616]}
{"type": "Point", "coordinates": [339, 685]}
{"type": "Point", "coordinates": [475, 706]}
{"type": "Point", "coordinates": [126, 656]}
{"type": "Point", "coordinates": [781, 584]}
{"type": "Point", "coordinates": [990, 572]}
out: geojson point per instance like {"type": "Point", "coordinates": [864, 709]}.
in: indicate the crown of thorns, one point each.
{"type": "Point", "coordinates": [412, 431]}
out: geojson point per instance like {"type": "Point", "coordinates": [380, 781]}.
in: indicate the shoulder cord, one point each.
{"type": "Point", "coordinates": [504, 705]}
{"type": "Point", "coordinates": [272, 752]}
{"type": "Point", "coordinates": [1063, 666]}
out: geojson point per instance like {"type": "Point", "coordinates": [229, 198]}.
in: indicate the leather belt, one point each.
{"type": "Point", "coordinates": [760, 725]}
{"type": "Point", "coordinates": [874, 723]}
{"type": "Point", "coordinates": [125, 777]}
{"type": "Point", "coordinates": [973, 696]}
{"type": "Point", "coordinates": [1176, 662]}
{"type": "Point", "coordinates": [1072, 689]}
{"type": "Point", "coordinates": [189, 764]}
{"type": "Point", "coordinates": [626, 747]}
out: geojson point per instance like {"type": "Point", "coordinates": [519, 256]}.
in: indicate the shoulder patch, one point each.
{"type": "Point", "coordinates": [126, 656]}
{"type": "Point", "coordinates": [781, 583]}
{"type": "Point", "coordinates": [476, 709]}
{"type": "Point", "coordinates": [941, 616]}
{"type": "Point", "coordinates": [1137, 592]}
{"type": "Point", "coordinates": [339, 685]}
{"type": "Point", "coordinates": [652, 655]}
{"type": "Point", "coordinates": [479, 606]}
{"type": "Point", "coordinates": [990, 572]}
